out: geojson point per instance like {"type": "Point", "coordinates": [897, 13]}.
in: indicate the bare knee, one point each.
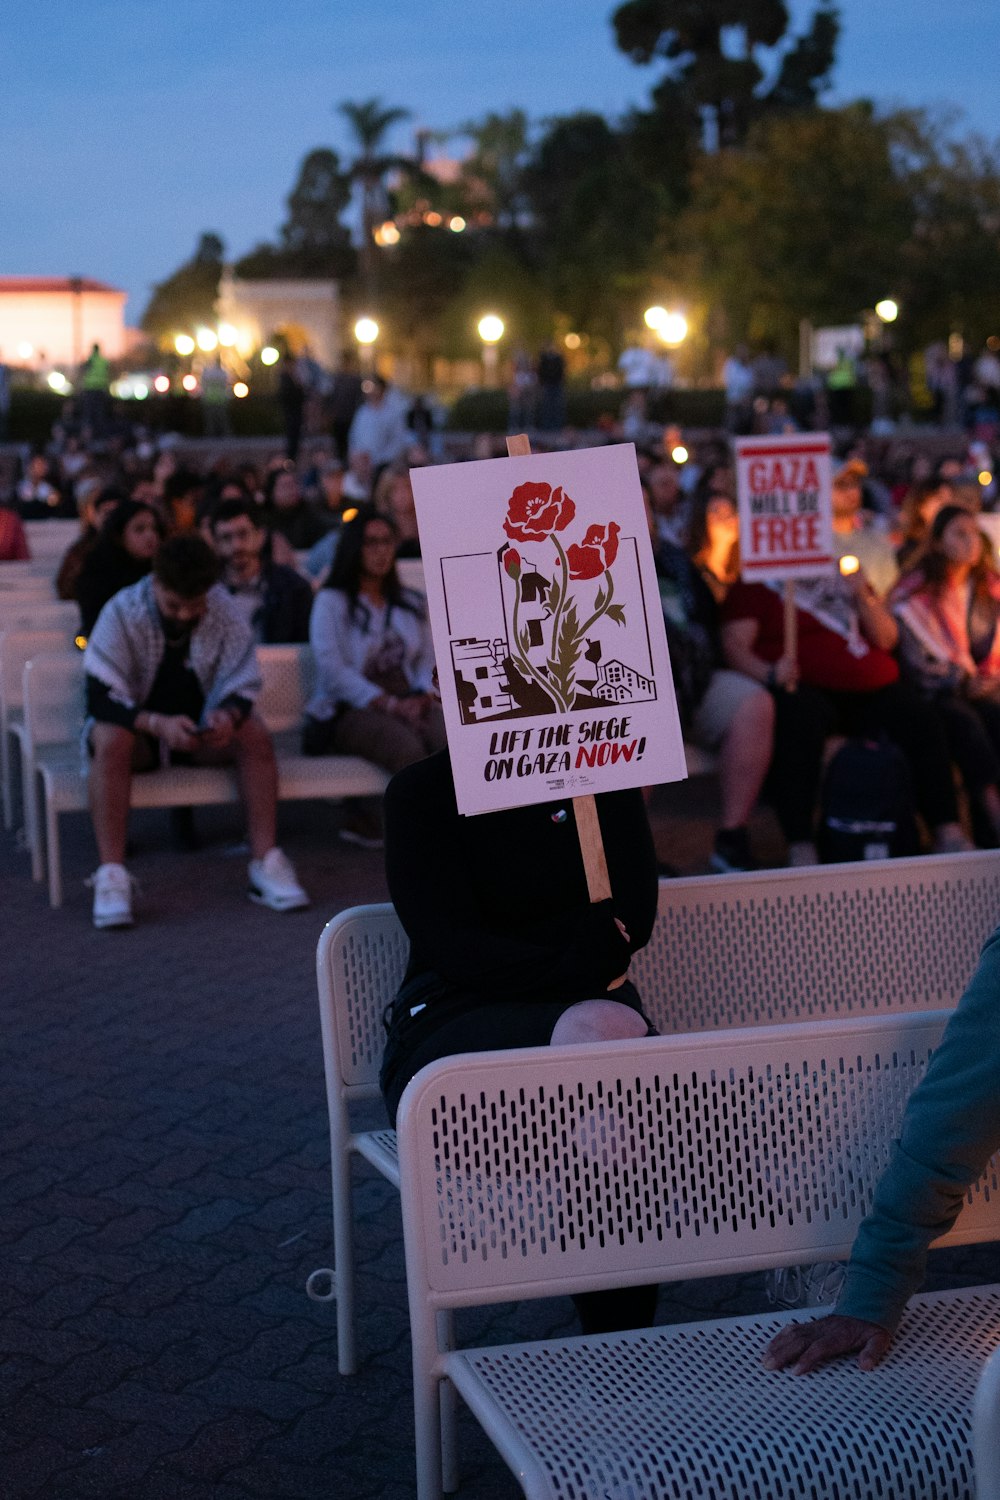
{"type": "Point", "coordinates": [597, 1021]}
{"type": "Point", "coordinates": [252, 739]}
{"type": "Point", "coordinates": [113, 745]}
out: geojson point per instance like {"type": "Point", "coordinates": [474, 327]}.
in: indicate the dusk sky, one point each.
{"type": "Point", "coordinates": [129, 126]}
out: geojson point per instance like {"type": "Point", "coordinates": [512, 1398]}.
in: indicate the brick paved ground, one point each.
{"type": "Point", "coordinates": [164, 1192]}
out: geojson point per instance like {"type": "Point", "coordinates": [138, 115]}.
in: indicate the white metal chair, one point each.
{"type": "Point", "coordinates": [360, 961]}
{"type": "Point", "coordinates": [17, 647]}
{"type": "Point", "coordinates": [772, 947]}
{"type": "Point", "coordinates": [542, 1171]}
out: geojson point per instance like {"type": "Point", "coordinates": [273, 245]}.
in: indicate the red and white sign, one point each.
{"type": "Point", "coordinates": [786, 518]}
{"type": "Point", "coordinates": [548, 629]}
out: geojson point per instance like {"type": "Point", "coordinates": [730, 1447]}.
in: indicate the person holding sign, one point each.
{"type": "Point", "coordinates": [842, 679]}
{"type": "Point", "coordinates": [506, 947]}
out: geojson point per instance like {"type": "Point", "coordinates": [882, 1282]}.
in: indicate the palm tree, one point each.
{"type": "Point", "coordinates": [370, 120]}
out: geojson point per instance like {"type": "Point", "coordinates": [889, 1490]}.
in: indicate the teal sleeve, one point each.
{"type": "Point", "coordinates": [950, 1130]}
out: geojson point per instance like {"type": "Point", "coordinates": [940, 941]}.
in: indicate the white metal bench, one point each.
{"type": "Point", "coordinates": [53, 715]}
{"type": "Point", "coordinates": [17, 647]}
{"type": "Point", "coordinates": [20, 611]}
{"type": "Point", "coordinates": [727, 950]}
{"type": "Point", "coordinates": [543, 1171]}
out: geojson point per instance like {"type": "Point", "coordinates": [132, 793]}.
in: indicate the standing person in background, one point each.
{"type": "Point", "coordinates": [551, 376]}
{"type": "Point", "coordinates": [379, 428]}
{"type": "Point", "coordinates": [374, 664]}
{"type": "Point", "coordinates": [344, 400]}
{"type": "Point", "coordinates": [215, 399]}
{"type": "Point", "coordinates": [292, 400]}
{"type": "Point", "coordinates": [737, 377]}
{"type": "Point", "coordinates": [95, 399]}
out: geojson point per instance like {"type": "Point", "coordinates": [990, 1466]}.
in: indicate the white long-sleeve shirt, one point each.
{"type": "Point", "coordinates": [375, 639]}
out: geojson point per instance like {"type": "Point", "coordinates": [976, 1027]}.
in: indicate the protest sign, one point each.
{"type": "Point", "coordinates": [784, 492]}
{"type": "Point", "coordinates": [545, 611]}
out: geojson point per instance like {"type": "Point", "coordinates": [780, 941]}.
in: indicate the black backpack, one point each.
{"type": "Point", "coordinates": [866, 804]}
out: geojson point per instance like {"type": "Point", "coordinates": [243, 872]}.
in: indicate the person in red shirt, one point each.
{"type": "Point", "coordinates": [842, 680]}
{"type": "Point", "coordinates": [13, 542]}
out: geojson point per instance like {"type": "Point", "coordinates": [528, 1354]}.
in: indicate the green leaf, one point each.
{"type": "Point", "coordinates": [552, 597]}
{"type": "Point", "coordinates": [524, 641]}
{"type": "Point", "coordinates": [616, 612]}
{"type": "Point", "coordinates": [600, 599]}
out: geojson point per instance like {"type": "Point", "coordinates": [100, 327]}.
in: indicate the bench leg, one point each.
{"type": "Point", "coordinates": [53, 851]}
{"type": "Point", "coordinates": [343, 1262]}
{"type": "Point", "coordinates": [450, 1473]}
{"type": "Point", "coordinates": [32, 820]}
{"type": "Point", "coordinates": [7, 772]}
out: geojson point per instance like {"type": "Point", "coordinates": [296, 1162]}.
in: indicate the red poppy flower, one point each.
{"type": "Point", "coordinates": [512, 562]}
{"type": "Point", "coordinates": [534, 511]}
{"type": "Point", "coordinates": [597, 552]}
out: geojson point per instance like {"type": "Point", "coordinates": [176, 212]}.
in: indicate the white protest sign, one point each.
{"type": "Point", "coordinates": [548, 631]}
{"type": "Point", "coordinates": [786, 519]}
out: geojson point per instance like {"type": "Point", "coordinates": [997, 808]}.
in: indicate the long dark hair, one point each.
{"type": "Point", "coordinates": [932, 563]}
{"type": "Point", "coordinates": [345, 571]}
{"type": "Point", "coordinates": [112, 532]}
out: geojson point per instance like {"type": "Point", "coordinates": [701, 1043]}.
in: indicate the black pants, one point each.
{"type": "Point", "coordinates": [806, 718]}
{"type": "Point", "coordinates": [973, 729]}
{"type": "Point", "coordinates": [461, 1026]}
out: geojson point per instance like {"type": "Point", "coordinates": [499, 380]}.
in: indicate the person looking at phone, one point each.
{"type": "Point", "coordinates": [171, 678]}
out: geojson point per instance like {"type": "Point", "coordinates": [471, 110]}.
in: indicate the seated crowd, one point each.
{"type": "Point", "coordinates": [904, 649]}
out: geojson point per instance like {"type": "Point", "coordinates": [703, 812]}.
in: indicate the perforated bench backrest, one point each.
{"type": "Point", "coordinates": [25, 612]}
{"type": "Point", "coordinates": [53, 699]}
{"type": "Point", "coordinates": [541, 1170]}
{"type": "Point", "coordinates": [726, 951]}
{"type": "Point", "coordinates": [17, 647]}
{"type": "Point", "coordinates": [360, 960]}
{"type": "Point", "coordinates": [782, 945]}
{"type": "Point", "coordinates": [287, 674]}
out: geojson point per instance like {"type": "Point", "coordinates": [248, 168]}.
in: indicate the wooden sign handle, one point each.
{"type": "Point", "coordinates": [588, 827]}
{"type": "Point", "coordinates": [791, 640]}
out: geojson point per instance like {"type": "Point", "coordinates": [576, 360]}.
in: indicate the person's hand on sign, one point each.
{"type": "Point", "coordinates": [806, 1346]}
{"type": "Point", "coordinates": [784, 674]}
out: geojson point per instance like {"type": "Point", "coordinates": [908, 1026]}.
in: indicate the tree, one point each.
{"type": "Point", "coordinates": [949, 272]}
{"type": "Point", "coordinates": [187, 298]}
{"type": "Point", "coordinates": [494, 170]}
{"type": "Point", "coordinates": [594, 220]}
{"type": "Point", "coordinates": [370, 121]}
{"type": "Point", "coordinates": [718, 52]}
{"type": "Point", "coordinates": [810, 219]}
{"type": "Point", "coordinates": [313, 241]}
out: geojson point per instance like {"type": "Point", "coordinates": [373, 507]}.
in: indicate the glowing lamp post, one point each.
{"type": "Point", "coordinates": [491, 330]}
{"type": "Point", "coordinates": [887, 311]}
{"type": "Point", "coordinates": [184, 344]}
{"type": "Point", "coordinates": [366, 331]}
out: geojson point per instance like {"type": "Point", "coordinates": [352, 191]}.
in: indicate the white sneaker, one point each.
{"type": "Point", "coordinates": [112, 887]}
{"type": "Point", "coordinates": [274, 883]}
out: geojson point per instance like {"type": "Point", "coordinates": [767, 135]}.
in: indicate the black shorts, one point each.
{"type": "Point", "coordinates": [449, 1024]}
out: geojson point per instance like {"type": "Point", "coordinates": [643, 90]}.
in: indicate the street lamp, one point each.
{"type": "Point", "coordinates": [887, 311]}
{"type": "Point", "coordinates": [184, 344]}
{"type": "Point", "coordinates": [269, 355]}
{"type": "Point", "coordinates": [207, 340]}
{"type": "Point", "coordinates": [491, 330]}
{"type": "Point", "coordinates": [673, 330]}
{"type": "Point", "coordinates": [366, 331]}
